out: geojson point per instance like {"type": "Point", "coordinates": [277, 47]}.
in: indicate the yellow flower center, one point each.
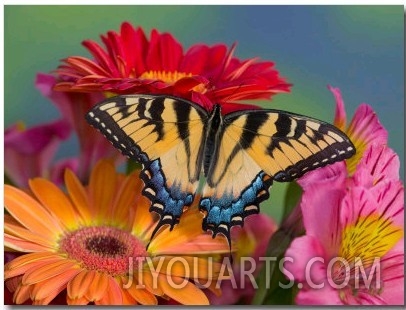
{"type": "Point", "coordinates": [363, 244]}
{"type": "Point", "coordinates": [105, 249]}
{"type": "Point", "coordinates": [164, 76]}
{"type": "Point", "coordinates": [371, 236]}
{"type": "Point", "coordinates": [170, 77]}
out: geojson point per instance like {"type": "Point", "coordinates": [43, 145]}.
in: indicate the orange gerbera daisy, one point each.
{"type": "Point", "coordinates": [92, 242]}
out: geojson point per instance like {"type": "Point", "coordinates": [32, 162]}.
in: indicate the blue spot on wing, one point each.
{"type": "Point", "coordinates": [227, 211]}
{"type": "Point", "coordinates": [168, 202]}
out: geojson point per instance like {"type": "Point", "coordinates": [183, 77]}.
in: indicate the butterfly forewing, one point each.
{"type": "Point", "coordinates": [287, 145]}
{"type": "Point", "coordinates": [166, 135]}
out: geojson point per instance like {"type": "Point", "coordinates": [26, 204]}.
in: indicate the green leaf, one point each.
{"type": "Point", "coordinates": [271, 276]}
{"type": "Point", "coordinates": [266, 280]}
{"type": "Point", "coordinates": [292, 198]}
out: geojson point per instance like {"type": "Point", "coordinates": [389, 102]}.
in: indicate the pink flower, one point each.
{"type": "Point", "coordinates": [73, 106]}
{"type": "Point", "coordinates": [379, 164]}
{"type": "Point", "coordinates": [131, 64]}
{"type": "Point", "coordinates": [363, 130]}
{"type": "Point", "coordinates": [251, 243]}
{"type": "Point", "coordinates": [350, 228]}
{"type": "Point", "coordinates": [29, 152]}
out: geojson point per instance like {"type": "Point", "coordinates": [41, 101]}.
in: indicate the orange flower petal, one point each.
{"type": "Point", "coordinates": [78, 286]}
{"type": "Point", "coordinates": [113, 294]}
{"type": "Point", "coordinates": [22, 245]}
{"type": "Point", "coordinates": [143, 219]}
{"type": "Point", "coordinates": [151, 282]}
{"type": "Point", "coordinates": [22, 293]}
{"type": "Point", "coordinates": [77, 301]}
{"type": "Point", "coordinates": [21, 232]}
{"type": "Point", "coordinates": [54, 200]}
{"type": "Point", "coordinates": [78, 196]}
{"type": "Point", "coordinates": [30, 213]}
{"type": "Point", "coordinates": [48, 290]}
{"type": "Point", "coordinates": [32, 257]}
{"type": "Point", "coordinates": [48, 271]}
{"type": "Point", "coordinates": [201, 244]}
{"type": "Point", "coordinates": [98, 286]}
{"type": "Point", "coordinates": [125, 197]}
{"type": "Point", "coordinates": [189, 267]}
{"type": "Point", "coordinates": [127, 298]}
{"type": "Point", "coordinates": [182, 291]}
{"type": "Point", "coordinates": [188, 228]}
{"type": "Point", "coordinates": [102, 187]}
{"type": "Point", "coordinates": [23, 263]}
{"type": "Point", "coordinates": [142, 295]}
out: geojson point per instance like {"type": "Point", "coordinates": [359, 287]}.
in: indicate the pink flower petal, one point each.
{"type": "Point", "coordinates": [35, 139]}
{"type": "Point", "coordinates": [389, 196]}
{"type": "Point", "coordinates": [324, 296]}
{"type": "Point", "coordinates": [334, 175]}
{"type": "Point", "coordinates": [378, 163]}
{"type": "Point", "coordinates": [340, 118]}
{"type": "Point", "coordinates": [393, 278]}
{"type": "Point", "coordinates": [306, 253]}
{"type": "Point", "coordinates": [365, 126]}
{"type": "Point", "coordinates": [74, 106]}
{"type": "Point", "coordinates": [29, 152]}
{"type": "Point", "coordinates": [320, 206]}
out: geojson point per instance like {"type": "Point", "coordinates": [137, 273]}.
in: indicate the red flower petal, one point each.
{"type": "Point", "coordinates": [131, 64]}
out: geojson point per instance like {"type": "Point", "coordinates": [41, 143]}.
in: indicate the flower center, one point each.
{"type": "Point", "coordinates": [363, 244]}
{"type": "Point", "coordinates": [170, 77]}
{"type": "Point", "coordinates": [106, 249]}
{"type": "Point", "coordinates": [164, 76]}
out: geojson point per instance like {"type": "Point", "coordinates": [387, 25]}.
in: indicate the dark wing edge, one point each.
{"type": "Point", "coordinates": [222, 214]}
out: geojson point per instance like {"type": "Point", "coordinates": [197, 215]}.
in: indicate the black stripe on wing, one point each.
{"type": "Point", "coordinates": [289, 128]}
{"type": "Point", "coordinates": [103, 122]}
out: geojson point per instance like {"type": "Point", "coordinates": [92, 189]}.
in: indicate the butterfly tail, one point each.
{"type": "Point", "coordinates": [161, 224]}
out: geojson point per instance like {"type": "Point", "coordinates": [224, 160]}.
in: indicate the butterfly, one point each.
{"type": "Point", "coordinates": [240, 153]}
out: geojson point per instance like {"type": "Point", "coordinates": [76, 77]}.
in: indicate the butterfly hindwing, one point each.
{"type": "Point", "coordinates": [166, 135]}
{"type": "Point", "coordinates": [256, 147]}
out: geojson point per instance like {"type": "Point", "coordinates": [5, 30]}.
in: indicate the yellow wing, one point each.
{"type": "Point", "coordinates": [257, 147]}
{"type": "Point", "coordinates": [166, 135]}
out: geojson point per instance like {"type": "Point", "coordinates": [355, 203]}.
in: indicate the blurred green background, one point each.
{"type": "Point", "coordinates": [356, 48]}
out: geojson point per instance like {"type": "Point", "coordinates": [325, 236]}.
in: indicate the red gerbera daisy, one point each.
{"type": "Point", "coordinates": [130, 63]}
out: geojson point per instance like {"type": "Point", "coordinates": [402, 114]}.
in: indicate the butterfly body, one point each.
{"type": "Point", "coordinates": [240, 153]}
